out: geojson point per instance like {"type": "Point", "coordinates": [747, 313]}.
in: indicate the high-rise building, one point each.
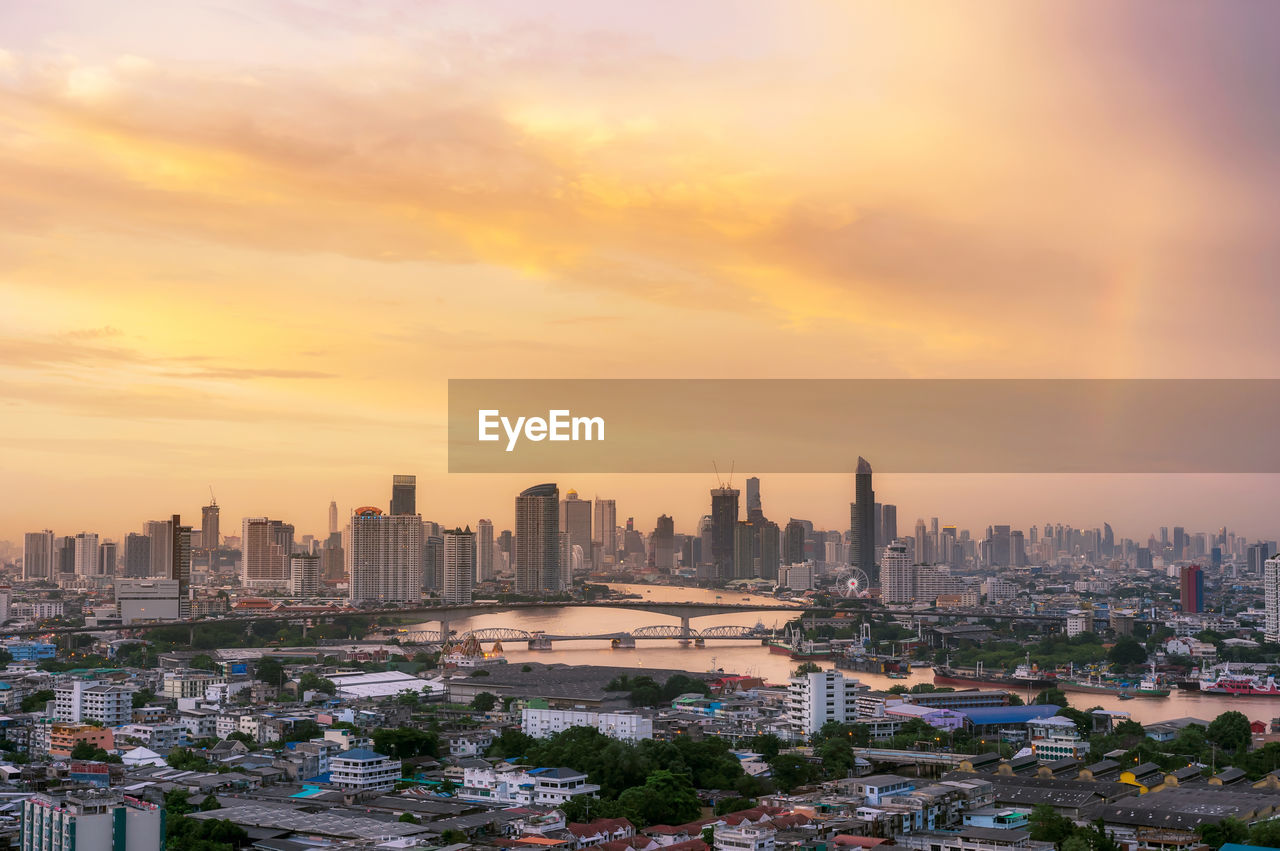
{"type": "Point", "coordinates": [605, 532]}
{"type": "Point", "coordinates": [91, 820]}
{"type": "Point", "coordinates": [897, 574]}
{"type": "Point", "coordinates": [404, 494]}
{"type": "Point", "coordinates": [304, 574]}
{"type": "Point", "coordinates": [161, 534]}
{"type": "Point", "coordinates": [484, 551]}
{"type": "Point", "coordinates": [333, 516]}
{"type": "Point", "coordinates": [1271, 599]}
{"type": "Point", "coordinates": [459, 566]}
{"type": "Point", "coordinates": [793, 542]}
{"type": "Point", "coordinates": [432, 559]}
{"type": "Point", "coordinates": [180, 564]}
{"type": "Point", "coordinates": [1191, 588]}
{"type": "Point", "coordinates": [263, 562]}
{"type": "Point", "coordinates": [210, 526]}
{"type": "Point", "coordinates": [816, 698]}
{"type": "Point", "coordinates": [86, 554]}
{"type": "Point", "coordinates": [862, 530]}
{"type": "Point", "coordinates": [724, 523]}
{"type": "Point", "coordinates": [889, 522]}
{"type": "Point", "coordinates": [575, 520]}
{"type": "Point", "coordinates": [663, 543]}
{"type": "Point", "coordinates": [107, 558]}
{"type": "Point", "coordinates": [538, 539]}
{"type": "Point", "coordinates": [137, 556]}
{"type": "Point", "coordinates": [64, 556]}
{"type": "Point", "coordinates": [755, 508]}
{"type": "Point", "coordinates": [769, 547]}
{"type": "Point", "coordinates": [1000, 537]}
{"type": "Point", "coordinates": [385, 557]}
{"type": "Point", "coordinates": [37, 555]}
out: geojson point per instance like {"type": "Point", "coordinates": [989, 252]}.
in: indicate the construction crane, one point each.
{"type": "Point", "coordinates": [723, 484]}
{"type": "Point", "coordinates": [213, 500]}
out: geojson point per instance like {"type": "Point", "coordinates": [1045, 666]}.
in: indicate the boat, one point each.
{"type": "Point", "coordinates": [1240, 684]}
{"type": "Point", "coordinates": [1124, 695]}
{"type": "Point", "coordinates": [1025, 675]}
{"type": "Point", "coordinates": [897, 675]}
{"type": "Point", "coordinates": [1099, 683]}
{"type": "Point", "coordinates": [794, 644]}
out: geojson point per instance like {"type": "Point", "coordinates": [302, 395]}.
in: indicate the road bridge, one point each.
{"type": "Point", "coordinates": [543, 640]}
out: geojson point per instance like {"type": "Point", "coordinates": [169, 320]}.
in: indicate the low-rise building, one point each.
{"type": "Point", "coordinates": [361, 770]}
{"type": "Point", "coordinates": [91, 821]}
{"type": "Point", "coordinates": [79, 700]}
{"type": "Point", "coordinates": [541, 722]}
{"type": "Point", "coordinates": [523, 786]}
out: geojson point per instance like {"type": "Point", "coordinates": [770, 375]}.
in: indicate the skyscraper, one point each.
{"type": "Point", "coordinates": [304, 574]}
{"type": "Point", "coordinates": [107, 558]}
{"type": "Point", "coordinates": [605, 533]}
{"type": "Point", "coordinates": [404, 494]}
{"type": "Point", "coordinates": [663, 543]}
{"type": "Point", "coordinates": [793, 543]}
{"type": "Point", "coordinates": [86, 554]}
{"type": "Point", "coordinates": [210, 526]}
{"type": "Point", "coordinates": [263, 562]}
{"type": "Point", "coordinates": [724, 522]}
{"type": "Point", "coordinates": [64, 556]}
{"type": "Point", "coordinates": [333, 516]}
{"type": "Point", "coordinates": [385, 557]}
{"type": "Point", "coordinates": [538, 540]}
{"type": "Point", "coordinates": [1271, 599]}
{"type": "Point", "coordinates": [137, 556]}
{"type": "Point", "coordinates": [37, 555]}
{"type": "Point", "coordinates": [161, 534]}
{"type": "Point", "coordinates": [755, 508]}
{"type": "Point", "coordinates": [180, 564]}
{"type": "Point", "coordinates": [862, 537]}
{"type": "Point", "coordinates": [575, 520]}
{"type": "Point", "coordinates": [889, 522]}
{"type": "Point", "coordinates": [484, 551]}
{"type": "Point", "coordinates": [897, 574]}
{"type": "Point", "coordinates": [1191, 588]}
{"type": "Point", "coordinates": [459, 565]}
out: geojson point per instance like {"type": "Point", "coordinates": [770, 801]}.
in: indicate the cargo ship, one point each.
{"type": "Point", "coordinates": [1249, 685]}
{"type": "Point", "coordinates": [794, 644]}
{"type": "Point", "coordinates": [1026, 676]}
{"type": "Point", "coordinates": [1096, 684]}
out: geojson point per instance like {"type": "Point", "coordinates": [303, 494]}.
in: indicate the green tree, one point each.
{"type": "Point", "coordinates": [203, 662]}
{"type": "Point", "coordinates": [1126, 652]}
{"type": "Point", "coordinates": [1047, 825]}
{"type": "Point", "coordinates": [177, 801]}
{"type": "Point", "coordinates": [1230, 731]}
{"type": "Point", "coordinates": [807, 668]}
{"type": "Point", "coordinates": [1054, 696]}
{"type": "Point", "coordinates": [270, 671]}
{"type": "Point", "coordinates": [1219, 834]}
{"type": "Point", "coordinates": [509, 744]}
{"type": "Point", "coordinates": [143, 697]}
{"type": "Point", "coordinates": [314, 682]}
{"type": "Point", "coordinates": [790, 771]}
{"type": "Point", "coordinates": [665, 798]}
{"type": "Point", "coordinates": [452, 836]}
{"type": "Point", "coordinates": [732, 805]}
{"type": "Point", "coordinates": [36, 700]}
{"type": "Point", "coordinates": [405, 742]}
{"type": "Point", "coordinates": [209, 804]}
{"type": "Point", "coordinates": [767, 745]}
{"type": "Point", "coordinates": [407, 818]}
{"type": "Point", "coordinates": [484, 701]}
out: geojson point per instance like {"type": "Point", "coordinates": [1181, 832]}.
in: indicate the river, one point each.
{"type": "Point", "coordinates": [753, 659]}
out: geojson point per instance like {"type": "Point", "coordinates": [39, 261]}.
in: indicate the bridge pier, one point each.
{"type": "Point", "coordinates": [685, 632]}
{"type": "Point", "coordinates": [539, 642]}
{"type": "Point", "coordinates": [625, 641]}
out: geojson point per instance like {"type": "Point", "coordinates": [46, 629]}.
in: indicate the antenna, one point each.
{"type": "Point", "coordinates": [731, 466]}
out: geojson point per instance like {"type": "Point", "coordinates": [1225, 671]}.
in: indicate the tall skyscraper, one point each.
{"type": "Point", "coordinates": [663, 543]}
{"type": "Point", "coordinates": [897, 574]}
{"type": "Point", "coordinates": [484, 551]}
{"type": "Point", "coordinates": [605, 532]}
{"type": "Point", "coordinates": [1271, 599]}
{"type": "Point", "coordinates": [404, 494]}
{"type": "Point", "coordinates": [86, 554]}
{"type": "Point", "coordinates": [575, 520]}
{"type": "Point", "coordinates": [385, 557]}
{"type": "Point", "coordinates": [862, 530]}
{"type": "Point", "coordinates": [889, 522]}
{"type": "Point", "coordinates": [180, 564]}
{"type": "Point", "coordinates": [37, 555]}
{"type": "Point", "coordinates": [432, 558]}
{"type": "Point", "coordinates": [538, 540]}
{"type": "Point", "coordinates": [333, 516]}
{"type": "Point", "coordinates": [304, 574]}
{"type": "Point", "coordinates": [64, 556]}
{"type": "Point", "coordinates": [755, 508]}
{"type": "Point", "coordinates": [161, 534]}
{"type": "Point", "coordinates": [459, 565]}
{"type": "Point", "coordinates": [793, 543]}
{"type": "Point", "coordinates": [263, 562]}
{"type": "Point", "coordinates": [1191, 588]}
{"type": "Point", "coordinates": [724, 522]}
{"type": "Point", "coordinates": [107, 558]}
{"type": "Point", "coordinates": [137, 556]}
{"type": "Point", "coordinates": [210, 526]}
{"type": "Point", "coordinates": [769, 549]}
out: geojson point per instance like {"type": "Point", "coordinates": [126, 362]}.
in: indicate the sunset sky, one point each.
{"type": "Point", "coordinates": [246, 243]}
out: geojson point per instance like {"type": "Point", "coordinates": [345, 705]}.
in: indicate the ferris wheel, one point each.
{"type": "Point", "coordinates": [854, 582]}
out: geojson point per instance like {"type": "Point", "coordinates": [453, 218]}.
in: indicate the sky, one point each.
{"type": "Point", "coordinates": [245, 244]}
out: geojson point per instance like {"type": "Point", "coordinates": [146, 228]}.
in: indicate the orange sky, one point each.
{"type": "Point", "coordinates": [246, 243]}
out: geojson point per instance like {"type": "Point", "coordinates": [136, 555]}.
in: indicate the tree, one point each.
{"type": "Point", "coordinates": [1228, 830]}
{"type": "Point", "coordinates": [484, 701]}
{"type": "Point", "coordinates": [269, 671]}
{"type": "Point", "coordinates": [407, 818]}
{"type": "Point", "coordinates": [790, 771]}
{"type": "Point", "coordinates": [177, 801]}
{"type": "Point", "coordinates": [1084, 721]}
{"type": "Point", "coordinates": [767, 745]}
{"type": "Point", "coordinates": [665, 798]}
{"type": "Point", "coordinates": [511, 743]}
{"type": "Point", "coordinates": [203, 662]}
{"type": "Point", "coordinates": [405, 742]}
{"type": "Point", "coordinates": [304, 731]}
{"type": "Point", "coordinates": [1127, 651]}
{"type": "Point", "coordinates": [1052, 696]}
{"type": "Point", "coordinates": [452, 836]}
{"type": "Point", "coordinates": [314, 682]}
{"type": "Point", "coordinates": [1047, 825]}
{"type": "Point", "coordinates": [84, 750]}
{"type": "Point", "coordinates": [142, 697]}
{"type": "Point", "coordinates": [1230, 731]}
{"type": "Point", "coordinates": [36, 700]}
{"type": "Point", "coordinates": [209, 804]}
{"type": "Point", "coordinates": [732, 805]}
{"type": "Point", "coordinates": [807, 668]}
{"type": "Point", "coordinates": [244, 738]}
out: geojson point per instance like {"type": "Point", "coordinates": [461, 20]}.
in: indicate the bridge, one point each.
{"type": "Point", "coordinates": [542, 641]}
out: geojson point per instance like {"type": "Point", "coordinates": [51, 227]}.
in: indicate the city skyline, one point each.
{"type": "Point", "coordinates": [255, 260]}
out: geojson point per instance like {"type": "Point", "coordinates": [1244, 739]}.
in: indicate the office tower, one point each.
{"type": "Point", "coordinates": [263, 562]}
{"type": "Point", "coordinates": [538, 539]}
{"type": "Point", "coordinates": [705, 535]}
{"type": "Point", "coordinates": [507, 544]}
{"type": "Point", "coordinates": [793, 542]}
{"type": "Point", "coordinates": [484, 551]}
{"type": "Point", "coordinates": [1017, 549]}
{"type": "Point", "coordinates": [889, 522]}
{"type": "Point", "coordinates": [897, 574]}
{"type": "Point", "coordinates": [107, 558]}
{"type": "Point", "coordinates": [333, 516]}
{"type": "Point", "coordinates": [136, 562]}
{"type": "Point", "coordinates": [862, 533]}
{"type": "Point", "coordinates": [210, 526]}
{"type": "Point", "coordinates": [385, 557]}
{"type": "Point", "coordinates": [333, 563]}
{"type": "Point", "coordinates": [64, 558]}
{"type": "Point", "coordinates": [921, 554]}
{"type": "Point", "coordinates": [90, 820]}
{"type": "Point", "coordinates": [180, 564]}
{"type": "Point", "coordinates": [1271, 598]}
{"type": "Point", "coordinates": [878, 522]}
{"type": "Point", "coordinates": [404, 494]}
{"type": "Point", "coordinates": [1108, 540]}
{"type": "Point", "coordinates": [459, 566]}
{"type": "Point", "coordinates": [304, 574]}
{"type": "Point", "coordinates": [1191, 588]}
{"type": "Point", "coordinates": [86, 554]}
{"type": "Point", "coordinates": [724, 522]}
{"type": "Point", "coordinates": [664, 543]}
{"type": "Point", "coordinates": [1142, 559]}
{"type": "Point", "coordinates": [432, 559]}
{"type": "Point", "coordinates": [1255, 556]}
{"type": "Point", "coordinates": [755, 509]}
{"type": "Point", "coordinates": [1179, 542]}
{"type": "Point", "coordinates": [37, 555]}
{"type": "Point", "coordinates": [161, 534]}
{"type": "Point", "coordinates": [605, 534]}
{"type": "Point", "coordinates": [1000, 538]}
{"type": "Point", "coordinates": [282, 535]}
{"type": "Point", "coordinates": [769, 549]}
{"type": "Point", "coordinates": [744, 562]}
{"type": "Point", "coordinates": [575, 520]}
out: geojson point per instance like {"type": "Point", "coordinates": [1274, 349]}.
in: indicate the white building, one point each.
{"type": "Point", "coordinates": [147, 600]}
{"type": "Point", "coordinates": [744, 837]}
{"type": "Point", "coordinates": [797, 577]}
{"type": "Point", "coordinates": [1079, 621]}
{"type": "Point", "coordinates": [190, 683]}
{"type": "Point", "coordinates": [37, 555]}
{"type": "Point", "coordinates": [1271, 596]}
{"type": "Point", "coordinates": [91, 821]}
{"type": "Point", "coordinates": [1056, 738]}
{"type": "Point", "coordinates": [161, 738]}
{"type": "Point", "coordinates": [897, 574]}
{"type": "Point", "coordinates": [86, 552]}
{"type": "Point", "coordinates": [626, 726]}
{"type": "Point", "coordinates": [523, 786]}
{"type": "Point", "coordinates": [304, 574]}
{"type": "Point", "coordinates": [79, 701]}
{"type": "Point", "coordinates": [361, 770]}
{"type": "Point", "coordinates": [459, 566]}
{"type": "Point", "coordinates": [814, 699]}
{"type": "Point", "coordinates": [997, 589]}
{"type": "Point", "coordinates": [384, 559]}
